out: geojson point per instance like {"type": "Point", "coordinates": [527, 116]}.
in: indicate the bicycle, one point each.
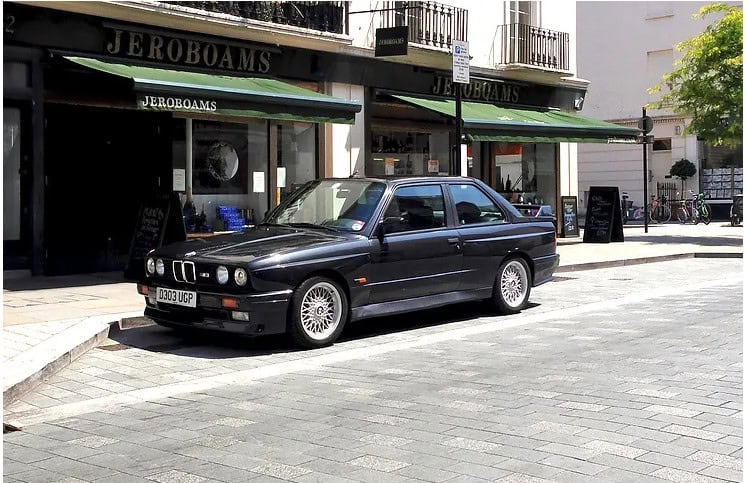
{"type": "Point", "coordinates": [659, 210]}
{"type": "Point", "coordinates": [695, 209]}
{"type": "Point", "coordinates": [630, 212]}
{"type": "Point", "coordinates": [702, 210]}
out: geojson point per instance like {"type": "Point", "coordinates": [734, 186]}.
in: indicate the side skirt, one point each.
{"type": "Point", "coordinates": [420, 303]}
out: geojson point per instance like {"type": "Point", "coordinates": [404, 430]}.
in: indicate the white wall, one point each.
{"type": "Point", "coordinates": [348, 139]}
{"type": "Point", "coordinates": [624, 48]}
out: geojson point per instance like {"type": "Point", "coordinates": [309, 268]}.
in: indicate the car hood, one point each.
{"type": "Point", "coordinates": [244, 246]}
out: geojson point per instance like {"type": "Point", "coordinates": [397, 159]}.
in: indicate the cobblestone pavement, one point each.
{"type": "Point", "coordinates": [628, 374]}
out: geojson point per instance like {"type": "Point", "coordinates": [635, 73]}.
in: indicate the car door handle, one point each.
{"type": "Point", "coordinates": [453, 240]}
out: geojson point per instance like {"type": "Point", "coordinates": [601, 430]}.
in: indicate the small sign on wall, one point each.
{"type": "Point", "coordinates": [433, 166]}
{"type": "Point", "coordinates": [389, 166]}
{"type": "Point", "coordinates": [281, 176]}
{"type": "Point", "coordinates": [179, 180]}
{"type": "Point", "coordinates": [258, 185]}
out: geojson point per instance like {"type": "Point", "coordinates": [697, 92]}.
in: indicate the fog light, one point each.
{"type": "Point", "coordinates": [142, 289]}
{"type": "Point", "coordinates": [243, 316]}
{"type": "Point", "coordinates": [230, 303]}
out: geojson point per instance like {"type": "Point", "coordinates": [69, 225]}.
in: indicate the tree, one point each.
{"type": "Point", "coordinates": [683, 169]}
{"type": "Point", "coordinates": [707, 81]}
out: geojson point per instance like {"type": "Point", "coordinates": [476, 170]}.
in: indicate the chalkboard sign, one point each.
{"type": "Point", "coordinates": [603, 215]}
{"type": "Point", "coordinates": [159, 222]}
{"type": "Point", "coordinates": [569, 208]}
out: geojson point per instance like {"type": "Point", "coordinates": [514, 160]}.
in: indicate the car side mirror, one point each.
{"type": "Point", "coordinates": [386, 225]}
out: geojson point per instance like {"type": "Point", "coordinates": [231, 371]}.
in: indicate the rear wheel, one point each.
{"type": "Point", "coordinates": [666, 214]}
{"type": "Point", "coordinates": [318, 313]}
{"type": "Point", "coordinates": [682, 215]}
{"type": "Point", "coordinates": [512, 286]}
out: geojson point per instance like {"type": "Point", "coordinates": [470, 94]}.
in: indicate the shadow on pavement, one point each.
{"type": "Point", "coordinates": [713, 241]}
{"type": "Point", "coordinates": [61, 281]}
{"type": "Point", "coordinates": [214, 345]}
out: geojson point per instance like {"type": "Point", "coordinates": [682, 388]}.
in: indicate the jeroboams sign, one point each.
{"type": "Point", "coordinates": [158, 103]}
{"type": "Point", "coordinates": [185, 51]}
{"type": "Point", "coordinates": [479, 90]}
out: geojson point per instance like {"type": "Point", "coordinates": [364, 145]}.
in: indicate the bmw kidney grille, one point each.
{"type": "Point", "coordinates": [184, 271]}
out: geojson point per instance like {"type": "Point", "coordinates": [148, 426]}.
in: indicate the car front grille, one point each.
{"type": "Point", "coordinates": [184, 271]}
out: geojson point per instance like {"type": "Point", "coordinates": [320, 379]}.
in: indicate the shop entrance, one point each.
{"type": "Point", "coordinates": [99, 164]}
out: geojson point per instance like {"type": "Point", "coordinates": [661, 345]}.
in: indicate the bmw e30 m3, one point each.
{"type": "Point", "coordinates": [342, 250]}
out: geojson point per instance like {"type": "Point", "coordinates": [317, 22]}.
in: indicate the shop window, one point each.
{"type": "Point", "coordinates": [473, 206]}
{"type": "Point", "coordinates": [663, 144]}
{"type": "Point", "coordinates": [296, 156]}
{"type": "Point", "coordinates": [408, 154]}
{"type": "Point", "coordinates": [526, 173]}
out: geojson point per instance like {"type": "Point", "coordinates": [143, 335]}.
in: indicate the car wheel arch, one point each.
{"type": "Point", "coordinates": [332, 275]}
{"type": "Point", "coordinates": [525, 257]}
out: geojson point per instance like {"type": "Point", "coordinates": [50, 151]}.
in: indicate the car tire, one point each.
{"type": "Point", "coordinates": [512, 286]}
{"type": "Point", "coordinates": [319, 310]}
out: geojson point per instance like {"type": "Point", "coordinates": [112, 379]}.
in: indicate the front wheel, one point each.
{"type": "Point", "coordinates": [705, 214]}
{"type": "Point", "coordinates": [512, 286]}
{"type": "Point", "coordinates": [318, 313]}
{"type": "Point", "coordinates": [666, 214]}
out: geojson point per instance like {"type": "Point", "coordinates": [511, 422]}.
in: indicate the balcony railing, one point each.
{"type": "Point", "coordinates": [321, 16]}
{"type": "Point", "coordinates": [524, 44]}
{"type": "Point", "coordinates": [429, 23]}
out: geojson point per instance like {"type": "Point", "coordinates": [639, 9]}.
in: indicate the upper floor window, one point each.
{"type": "Point", "coordinates": [525, 13]}
{"type": "Point", "coordinates": [663, 144]}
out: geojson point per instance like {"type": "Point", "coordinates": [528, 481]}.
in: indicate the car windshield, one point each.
{"type": "Point", "coordinates": [339, 204]}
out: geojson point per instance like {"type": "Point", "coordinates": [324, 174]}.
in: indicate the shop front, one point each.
{"type": "Point", "coordinates": [130, 112]}
{"type": "Point", "coordinates": [517, 136]}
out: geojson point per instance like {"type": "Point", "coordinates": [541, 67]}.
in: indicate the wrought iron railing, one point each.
{"type": "Point", "coordinates": [518, 43]}
{"type": "Point", "coordinates": [321, 16]}
{"type": "Point", "coordinates": [429, 23]}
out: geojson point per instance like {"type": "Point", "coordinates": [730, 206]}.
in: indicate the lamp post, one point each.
{"type": "Point", "coordinates": [646, 124]}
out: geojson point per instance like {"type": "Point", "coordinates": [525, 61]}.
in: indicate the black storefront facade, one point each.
{"type": "Point", "coordinates": [107, 112]}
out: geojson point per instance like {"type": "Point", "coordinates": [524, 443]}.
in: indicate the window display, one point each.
{"type": "Point", "coordinates": [409, 154]}
{"type": "Point", "coordinates": [526, 173]}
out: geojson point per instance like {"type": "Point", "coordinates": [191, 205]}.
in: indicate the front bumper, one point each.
{"type": "Point", "coordinates": [266, 312]}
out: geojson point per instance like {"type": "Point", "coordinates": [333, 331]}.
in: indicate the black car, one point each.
{"type": "Point", "coordinates": [339, 250]}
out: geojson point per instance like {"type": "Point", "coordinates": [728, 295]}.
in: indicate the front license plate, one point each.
{"type": "Point", "coordinates": [176, 297]}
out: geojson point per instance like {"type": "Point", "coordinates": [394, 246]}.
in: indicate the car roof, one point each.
{"type": "Point", "coordinates": [394, 181]}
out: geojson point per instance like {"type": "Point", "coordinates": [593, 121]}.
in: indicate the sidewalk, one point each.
{"type": "Point", "coordinates": [50, 321]}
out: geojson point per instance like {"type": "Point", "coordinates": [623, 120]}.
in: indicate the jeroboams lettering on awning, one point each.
{"type": "Point", "coordinates": [161, 103]}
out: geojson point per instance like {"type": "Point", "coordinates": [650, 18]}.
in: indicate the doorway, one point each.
{"type": "Point", "coordinates": [99, 164]}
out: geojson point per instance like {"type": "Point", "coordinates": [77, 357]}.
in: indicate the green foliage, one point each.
{"type": "Point", "coordinates": [683, 169]}
{"type": "Point", "coordinates": [707, 81]}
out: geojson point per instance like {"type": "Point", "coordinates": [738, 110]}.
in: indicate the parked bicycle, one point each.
{"type": "Point", "coordinates": [630, 212]}
{"type": "Point", "coordinates": [659, 210]}
{"type": "Point", "coordinates": [694, 209]}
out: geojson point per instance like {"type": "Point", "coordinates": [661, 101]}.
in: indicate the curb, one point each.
{"type": "Point", "coordinates": [90, 332]}
{"type": "Point", "coordinates": [639, 261]}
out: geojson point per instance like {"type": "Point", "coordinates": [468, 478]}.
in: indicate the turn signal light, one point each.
{"type": "Point", "coordinates": [142, 289]}
{"type": "Point", "coordinates": [230, 303]}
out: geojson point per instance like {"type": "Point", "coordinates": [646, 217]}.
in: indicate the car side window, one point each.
{"type": "Point", "coordinates": [415, 208]}
{"type": "Point", "coordinates": [473, 206]}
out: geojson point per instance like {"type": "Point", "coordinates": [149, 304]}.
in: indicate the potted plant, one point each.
{"type": "Point", "coordinates": [683, 169]}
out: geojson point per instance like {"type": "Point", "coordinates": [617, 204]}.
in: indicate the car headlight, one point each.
{"type": "Point", "coordinates": [150, 266]}
{"type": "Point", "coordinates": [160, 268]}
{"type": "Point", "coordinates": [240, 276]}
{"type": "Point", "coordinates": [221, 273]}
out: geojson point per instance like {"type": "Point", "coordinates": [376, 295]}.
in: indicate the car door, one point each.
{"type": "Point", "coordinates": [485, 233]}
{"type": "Point", "coordinates": [417, 253]}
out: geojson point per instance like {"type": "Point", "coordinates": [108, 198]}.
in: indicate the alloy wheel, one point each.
{"type": "Point", "coordinates": [321, 310]}
{"type": "Point", "coordinates": [514, 284]}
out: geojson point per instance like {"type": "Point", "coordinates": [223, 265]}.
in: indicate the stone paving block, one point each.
{"type": "Point", "coordinates": [668, 461]}
{"type": "Point", "coordinates": [573, 464]}
{"type": "Point", "coordinates": [677, 475]}
{"type": "Point", "coordinates": [620, 475]}
{"type": "Point", "coordinates": [723, 473]}
{"type": "Point", "coordinates": [378, 463]}
{"type": "Point", "coordinates": [579, 452]}
{"type": "Point", "coordinates": [701, 444]}
{"type": "Point", "coordinates": [624, 463]}
{"type": "Point", "coordinates": [75, 469]}
{"type": "Point", "coordinates": [176, 476]}
{"type": "Point", "coordinates": [425, 473]}
{"type": "Point", "coordinates": [692, 432]}
{"type": "Point", "coordinates": [615, 449]}
{"type": "Point", "coordinates": [368, 475]}
{"type": "Point", "coordinates": [520, 467]}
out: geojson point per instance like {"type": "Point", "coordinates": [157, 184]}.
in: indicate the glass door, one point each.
{"type": "Point", "coordinates": [16, 186]}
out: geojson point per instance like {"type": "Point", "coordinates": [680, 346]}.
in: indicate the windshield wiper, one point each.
{"type": "Point", "coordinates": [313, 225]}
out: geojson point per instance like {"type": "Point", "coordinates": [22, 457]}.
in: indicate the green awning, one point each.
{"type": "Point", "coordinates": [228, 95]}
{"type": "Point", "coordinates": [488, 122]}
